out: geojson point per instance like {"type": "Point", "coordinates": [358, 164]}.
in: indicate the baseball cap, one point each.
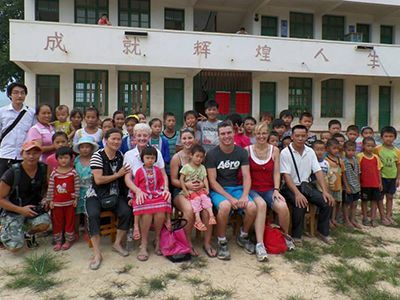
{"type": "Point", "coordinates": [30, 145]}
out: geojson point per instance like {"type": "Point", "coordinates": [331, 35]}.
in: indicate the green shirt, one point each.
{"type": "Point", "coordinates": [193, 174]}
{"type": "Point", "coordinates": [390, 158]}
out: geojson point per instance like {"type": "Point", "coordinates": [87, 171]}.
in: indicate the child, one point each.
{"type": "Point", "coordinates": [334, 176]}
{"type": "Point", "coordinates": [325, 136]}
{"type": "Point", "coordinates": [209, 128]}
{"type": "Point", "coordinates": [334, 126]}
{"type": "Point", "coordinates": [150, 180]}
{"type": "Point", "coordinates": [249, 125]}
{"type": "Point", "coordinates": [157, 141]}
{"type": "Point", "coordinates": [190, 118]}
{"type": "Point", "coordinates": [390, 158]}
{"type": "Point", "coordinates": [366, 131]}
{"type": "Point", "coordinates": [128, 141]}
{"type": "Point", "coordinates": [59, 139]}
{"type": "Point", "coordinates": [266, 118]}
{"type": "Point", "coordinates": [306, 119]}
{"type": "Point", "coordinates": [352, 184]}
{"type": "Point", "coordinates": [352, 133]}
{"type": "Point", "coordinates": [142, 117]}
{"type": "Point", "coordinates": [240, 138]}
{"type": "Point", "coordinates": [85, 147]}
{"type": "Point", "coordinates": [286, 142]}
{"type": "Point", "coordinates": [91, 129]}
{"type": "Point", "coordinates": [194, 171]}
{"type": "Point", "coordinates": [76, 118]}
{"type": "Point", "coordinates": [170, 134]}
{"type": "Point", "coordinates": [287, 117]}
{"type": "Point", "coordinates": [62, 196]}
{"type": "Point", "coordinates": [341, 139]}
{"type": "Point", "coordinates": [119, 120]}
{"type": "Point", "coordinates": [106, 125]}
{"type": "Point", "coordinates": [371, 182]}
{"type": "Point", "coordinates": [273, 139]}
{"type": "Point", "coordinates": [62, 123]}
{"type": "Point", "coordinates": [319, 148]}
{"type": "Point", "coordinates": [278, 125]}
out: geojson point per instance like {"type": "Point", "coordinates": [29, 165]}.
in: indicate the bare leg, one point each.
{"type": "Point", "coordinates": [346, 214]}
{"type": "Point", "coordinates": [374, 205]}
{"type": "Point", "coordinates": [119, 239]}
{"type": "Point", "coordinates": [282, 211]}
{"type": "Point", "coordinates": [364, 210]}
{"type": "Point", "coordinates": [183, 205]}
{"type": "Point", "coordinates": [207, 235]}
{"type": "Point", "coordinates": [159, 219]}
{"type": "Point", "coordinates": [144, 232]}
{"type": "Point", "coordinates": [96, 247]}
{"type": "Point", "coordinates": [382, 213]}
{"type": "Point", "coordinates": [222, 217]}
{"type": "Point", "coordinates": [259, 223]}
{"type": "Point", "coordinates": [389, 206]}
{"type": "Point", "coordinates": [250, 216]}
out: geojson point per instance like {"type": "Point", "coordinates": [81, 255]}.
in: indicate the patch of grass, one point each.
{"type": "Point", "coordinates": [154, 284]}
{"type": "Point", "coordinates": [196, 263]}
{"type": "Point", "coordinates": [194, 280]}
{"type": "Point", "coordinates": [172, 298]}
{"type": "Point", "coordinates": [57, 297]}
{"type": "Point", "coordinates": [373, 293]}
{"type": "Point", "coordinates": [294, 297]}
{"type": "Point", "coordinates": [389, 271]}
{"type": "Point", "coordinates": [139, 293]}
{"type": "Point", "coordinates": [264, 269]}
{"type": "Point", "coordinates": [35, 273]}
{"type": "Point", "coordinates": [381, 253]}
{"type": "Point", "coordinates": [213, 293]}
{"type": "Point", "coordinates": [14, 272]}
{"type": "Point", "coordinates": [118, 284]}
{"type": "Point", "coordinates": [346, 245]}
{"type": "Point", "coordinates": [305, 256]}
{"type": "Point", "coordinates": [125, 269]}
{"type": "Point", "coordinates": [171, 275]}
{"type": "Point", "coordinates": [106, 295]}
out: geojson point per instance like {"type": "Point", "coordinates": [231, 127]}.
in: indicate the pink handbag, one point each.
{"type": "Point", "coordinates": [173, 244]}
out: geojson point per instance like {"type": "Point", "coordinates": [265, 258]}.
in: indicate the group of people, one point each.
{"type": "Point", "coordinates": [64, 173]}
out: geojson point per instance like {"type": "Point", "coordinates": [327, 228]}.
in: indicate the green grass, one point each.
{"type": "Point", "coordinates": [381, 253]}
{"type": "Point", "coordinates": [194, 280]}
{"type": "Point", "coordinates": [346, 245]}
{"type": "Point", "coordinates": [106, 295]}
{"type": "Point", "coordinates": [264, 269]}
{"type": "Point", "coordinates": [213, 293]}
{"type": "Point", "coordinates": [306, 256]}
{"type": "Point", "coordinates": [294, 297]}
{"type": "Point", "coordinates": [196, 263]}
{"type": "Point", "coordinates": [139, 293]}
{"type": "Point", "coordinates": [155, 284]}
{"type": "Point", "coordinates": [125, 269]}
{"type": "Point", "coordinates": [36, 272]}
{"type": "Point", "coordinates": [171, 275]}
{"type": "Point", "coordinates": [389, 270]}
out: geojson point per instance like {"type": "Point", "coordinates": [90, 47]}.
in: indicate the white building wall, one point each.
{"type": "Point", "coordinates": [67, 11]}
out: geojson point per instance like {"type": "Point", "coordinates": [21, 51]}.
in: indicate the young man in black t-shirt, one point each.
{"type": "Point", "coordinates": [223, 164]}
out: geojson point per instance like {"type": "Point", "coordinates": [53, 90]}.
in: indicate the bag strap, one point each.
{"type": "Point", "coordinates": [294, 162]}
{"type": "Point", "coordinates": [16, 168]}
{"type": "Point", "coordinates": [12, 126]}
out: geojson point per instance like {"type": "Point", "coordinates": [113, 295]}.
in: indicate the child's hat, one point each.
{"type": "Point", "coordinates": [86, 140]}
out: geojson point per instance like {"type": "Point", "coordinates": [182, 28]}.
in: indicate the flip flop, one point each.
{"type": "Point", "coordinates": [212, 221]}
{"type": "Point", "coordinates": [194, 252]}
{"type": "Point", "coordinates": [207, 250]}
{"type": "Point", "coordinates": [142, 257]}
{"type": "Point", "coordinates": [121, 252]}
{"type": "Point", "coordinates": [95, 264]}
{"type": "Point", "coordinates": [200, 226]}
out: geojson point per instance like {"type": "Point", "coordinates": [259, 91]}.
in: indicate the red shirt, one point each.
{"type": "Point", "coordinates": [63, 188]}
{"type": "Point", "coordinates": [261, 171]}
{"type": "Point", "coordinates": [241, 140]}
{"type": "Point", "coordinates": [370, 171]}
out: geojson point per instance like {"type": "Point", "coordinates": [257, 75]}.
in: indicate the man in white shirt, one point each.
{"type": "Point", "coordinates": [298, 198]}
{"type": "Point", "coordinates": [11, 140]}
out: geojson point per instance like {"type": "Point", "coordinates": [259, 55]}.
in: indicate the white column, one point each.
{"type": "Point", "coordinates": [316, 100]}
{"type": "Point", "coordinates": [189, 18]}
{"type": "Point", "coordinates": [349, 102]}
{"type": "Point", "coordinates": [112, 91]}
{"type": "Point", "coordinates": [255, 97]}
{"type": "Point", "coordinates": [317, 27]}
{"type": "Point", "coordinates": [113, 12]}
{"type": "Point", "coordinates": [67, 87]}
{"type": "Point", "coordinates": [395, 107]}
{"type": "Point", "coordinates": [282, 95]}
{"type": "Point", "coordinates": [374, 107]}
{"type": "Point", "coordinates": [29, 10]}
{"type": "Point", "coordinates": [188, 93]}
{"type": "Point", "coordinates": [30, 82]}
{"type": "Point", "coordinates": [156, 95]}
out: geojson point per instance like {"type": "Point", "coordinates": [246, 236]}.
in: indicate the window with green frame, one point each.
{"type": "Point", "coordinates": [385, 103]}
{"type": "Point", "coordinates": [269, 26]}
{"type": "Point", "coordinates": [300, 95]}
{"type": "Point", "coordinates": [134, 13]}
{"type": "Point", "coordinates": [174, 19]}
{"type": "Point", "coordinates": [47, 10]}
{"type": "Point", "coordinates": [91, 89]}
{"type": "Point", "coordinates": [268, 97]}
{"type": "Point", "coordinates": [90, 11]}
{"type": "Point", "coordinates": [332, 98]}
{"type": "Point", "coordinates": [301, 25]}
{"type": "Point", "coordinates": [386, 34]}
{"type": "Point", "coordinates": [333, 28]}
{"type": "Point", "coordinates": [134, 92]}
{"type": "Point", "coordinates": [48, 90]}
{"type": "Point", "coordinates": [365, 30]}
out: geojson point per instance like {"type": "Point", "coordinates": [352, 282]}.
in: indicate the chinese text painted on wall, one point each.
{"type": "Point", "coordinates": [54, 42]}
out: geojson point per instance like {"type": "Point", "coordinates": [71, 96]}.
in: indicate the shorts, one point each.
{"type": "Point", "coordinates": [350, 198]}
{"type": "Point", "coordinates": [266, 196]}
{"type": "Point", "coordinates": [389, 186]}
{"type": "Point", "coordinates": [14, 227]}
{"type": "Point", "coordinates": [234, 191]}
{"type": "Point", "coordinates": [370, 194]}
{"type": "Point", "coordinates": [194, 195]}
{"type": "Point", "coordinates": [336, 195]}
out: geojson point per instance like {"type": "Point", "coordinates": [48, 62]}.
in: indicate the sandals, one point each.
{"type": "Point", "coordinates": [57, 247]}
{"type": "Point", "coordinates": [141, 256]}
{"type": "Point", "coordinates": [212, 221]}
{"type": "Point", "coordinates": [95, 264]}
{"type": "Point", "coordinates": [210, 251]}
{"type": "Point", "coordinates": [200, 226]}
{"type": "Point", "coordinates": [121, 252]}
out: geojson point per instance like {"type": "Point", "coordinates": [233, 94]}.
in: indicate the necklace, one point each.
{"type": "Point", "coordinates": [261, 153]}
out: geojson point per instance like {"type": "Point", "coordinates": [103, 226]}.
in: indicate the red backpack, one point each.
{"type": "Point", "coordinates": [274, 240]}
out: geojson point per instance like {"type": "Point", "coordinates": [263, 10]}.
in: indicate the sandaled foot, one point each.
{"type": "Point", "coordinates": [386, 222]}
{"type": "Point", "coordinates": [57, 246]}
{"type": "Point", "coordinates": [349, 225]}
{"type": "Point", "coordinates": [143, 255]}
{"type": "Point", "coordinates": [157, 250]}
{"type": "Point", "coordinates": [200, 226]}
{"type": "Point", "coordinates": [212, 221]}
{"type": "Point", "coordinates": [95, 263]}
{"type": "Point", "coordinates": [66, 246]}
{"type": "Point", "coordinates": [210, 251]}
{"type": "Point", "coordinates": [136, 233]}
{"type": "Point", "coordinates": [356, 225]}
{"type": "Point", "coordinates": [193, 252]}
{"type": "Point", "coordinates": [121, 251]}
{"type": "Point", "coordinates": [393, 222]}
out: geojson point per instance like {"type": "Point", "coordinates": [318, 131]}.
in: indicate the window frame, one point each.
{"type": "Point", "coordinates": [37, 15]}
{"type": "Point", "coordinates": [266, 28]}
{"type": "Point", "coordinates": [98, 11]}
{"type": "Point", "coordinates": [365, 26]}
{"type": "Point", "coordinates": [301, 26]}
{"type": "Point", "coordinates": [175, 10]}
{"type": "Point", "coordinates": [306, 87]}
{"type": "Point", "coordinates": [383, 36]}
{"type": "Point", "coordinates": [129, 11]}
{"type": "Point", "coordinates": [331, 91]}
{"type": "Point", "coordinates": [327, 27]}
{"type": "Point", "coordinates": [130, 75]}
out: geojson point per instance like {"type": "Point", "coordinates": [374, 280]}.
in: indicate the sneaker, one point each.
{"type": "Point", "coordinates": [289, 243]}
{"type": "Point", "coordinates": [261, 253]}
{"type": "Point", "coordinates": [223, 251]}
{"type": "Point", "coordinates": [365, 222]}
{"type": "Point", "coordinates": [245, 243]}
{"type": "Point", "coordinates": [31, 241]}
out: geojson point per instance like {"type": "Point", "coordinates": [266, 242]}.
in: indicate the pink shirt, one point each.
{"type": "Point", "coordinates": [52, 163]}
{"type": "Point", "coordinates": [42, 134]}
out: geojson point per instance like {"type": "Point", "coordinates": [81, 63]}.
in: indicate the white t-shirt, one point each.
{"type": "Point", "coordinates": [307, 163]}
{"type": "Point", "coordinates": [132, 158]}
{"type": "Point", "coordinates": [82, 132]}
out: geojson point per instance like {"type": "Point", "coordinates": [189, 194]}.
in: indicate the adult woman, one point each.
{"type": "Point", "coordinates": [142, 133]}
{"type": "Point", "coordinates": [42, 131]}
{"type": "Point", "coordinates": [108, 173]}
{"type": "Point", "coordinates": [265, 182]}
{"type": "Point", "coordinates": [180, 201]}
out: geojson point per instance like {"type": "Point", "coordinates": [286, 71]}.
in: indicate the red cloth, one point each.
{"type": "Point", "coordinates": [223, 100]}
{"type": "Point", "coordinates": [63, 220]}
{"type": "Point", "coordinates": [150, 181]}
{"type": "Point", "coordinates": [243, 102]}
{"type": "Point", "coordinates": [369, 177]}
{"type": "Point", "coordinates": [64, 188]}
{"type": "Point", "coordinates": [262, 176]}
{"type": "Point", "coordinates": [241, 140]}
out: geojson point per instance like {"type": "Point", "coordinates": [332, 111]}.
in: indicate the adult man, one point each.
{"type": "Point", "coordinates": [223, 165]}
{"type": "Point", "coordinates": [22, 188]}
{"type": "Point", "coordinates": [298, 162]}
{"type": "Point", "coordinates": [15, 121]}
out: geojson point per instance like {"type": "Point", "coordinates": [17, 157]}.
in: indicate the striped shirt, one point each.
{"type": "Point", "coordinates": [352, 172]}
{"type": "Point", "coordinates": [63, 188]}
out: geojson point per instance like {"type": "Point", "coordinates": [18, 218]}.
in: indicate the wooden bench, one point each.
{"type": "Point", "coordinates": [109, 228]}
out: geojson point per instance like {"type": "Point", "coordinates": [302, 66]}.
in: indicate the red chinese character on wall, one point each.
{"type": "Point", "coordinates": [374, 61]}
{"type": "Point", "coordinates": [54, 42]}
{"type": "Point", "coordinates": [132, 46]}
{"type": "Point", "coordinates": [263, 52]}
{"type": "Point", "coordinates": [202, 48]}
